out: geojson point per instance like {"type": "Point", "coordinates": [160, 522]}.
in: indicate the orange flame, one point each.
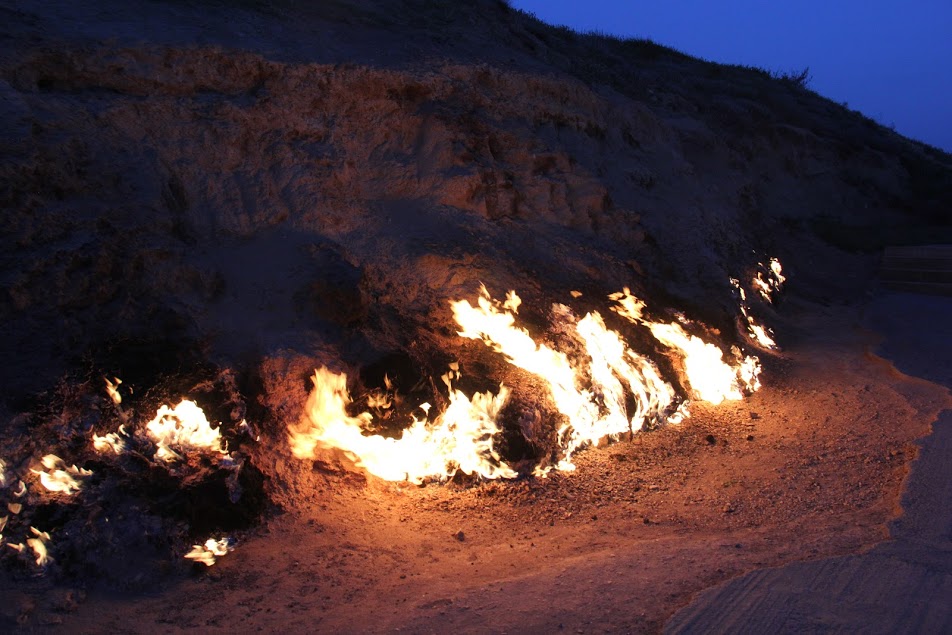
{"type": "Point", "coordinates": [112, 441]}
{"type": "Point", "coordinates": [759, 333]}
{"type": "Point", "coordinates": [112, 389]}
{"type": "Point", "coordinates": [38, 545]}
{"type": "Point", "coordinates": [710, 377]}
{"type": "Point", "coordinates": [459, 439]}
{"type": "Point", "coordinates": [59, 477]}
{"type": "Point", "coordinates": [590, 394]}
{"type": "Point", "coordinates": [185, 428]}
{"type": "Point", "coordinates": [209, 552]}
{"type": "Point", "coordinates": [591, 414]}
{"type": "Point", "coordinates": [769, 280]}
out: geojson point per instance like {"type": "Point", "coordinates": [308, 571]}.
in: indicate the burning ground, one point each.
{"type": "Point", "coordinates": [316, 323]}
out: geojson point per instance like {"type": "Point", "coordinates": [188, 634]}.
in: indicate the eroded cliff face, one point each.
{"type": "Point", "coordinates": [245, 180]}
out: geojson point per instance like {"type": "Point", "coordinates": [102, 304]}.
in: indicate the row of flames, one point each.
{"type": "Point", "coordinates": [592, 397]}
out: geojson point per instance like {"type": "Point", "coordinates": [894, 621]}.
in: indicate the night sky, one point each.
{"type": "Point", "coordinates": [890, 60]}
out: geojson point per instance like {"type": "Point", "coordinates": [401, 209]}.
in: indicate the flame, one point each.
{"type": "Point", "coordinates": [209, 552]}
{"type": "Point", "coordinates": [173, 430]}
{"type": "Point", "coordinates": [777, 270]}
{"type": "Point", "coordinates": [760, 334]}
{"type": "Point", "coordinates": [769, 279]}
{"type": "Point", "coordinates": [112, 389]}
{"type": "Point", "coordinates": [591, 393]}
{"type": "Point", "coordinates": [183, 427]}
{"type": "Point", "coordinates": [710, 377]}
{"type": "Point", "coordinates": [38, 545]}
{"type": "Point", "coordinates": [512, 302]}
{"type": "Point", "coordinates": [114, 441]}
{"type": "Point", "coordinates": [382, 399]}
{"type": "Point", "coordinates": [591, 414]}
{"type": "Point", "coordinates": [60, 478]}
{"type": "Point", "coordinates": [459, 439]}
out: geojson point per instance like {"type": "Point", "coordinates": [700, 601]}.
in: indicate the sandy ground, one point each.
{"type": "Point", "coordinates": [902, 585]}
{"type": "Point", "coordinates": [809, 469]}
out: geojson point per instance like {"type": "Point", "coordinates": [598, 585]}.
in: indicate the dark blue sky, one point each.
{"type": "Point", "coordinates": [891, 60]}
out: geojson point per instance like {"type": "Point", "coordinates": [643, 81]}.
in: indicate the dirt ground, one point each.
{"type": "Point", "coordinates": [901, 585]}
{"type": "Point", "coordinates": [812, 466]}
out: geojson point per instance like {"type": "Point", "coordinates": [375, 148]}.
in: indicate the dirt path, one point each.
{"type": "Point", "coordinates": [902, 585]}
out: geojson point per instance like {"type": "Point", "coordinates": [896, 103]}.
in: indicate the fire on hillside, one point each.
{"type": "Point", "coordinates": [162, 477]}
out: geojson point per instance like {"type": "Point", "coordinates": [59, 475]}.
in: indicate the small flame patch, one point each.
{"type": "Point", "coordinates": [183, 428]}
{"type": "Point", "coordinates": [58, 477]}
{"type": "Point", "coordinates": [38, 544]}
{"type": "Point", "coordinates": [209, 552]}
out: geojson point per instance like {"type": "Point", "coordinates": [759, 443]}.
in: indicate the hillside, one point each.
{"type": "Point", "coordinates": [216, 198]}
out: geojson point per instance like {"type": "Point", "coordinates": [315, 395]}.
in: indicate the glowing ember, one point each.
{"type": "Point", "coordinates": [184, 428]}
{"type": "Point", "coordinates": [209, 552]}
{"type": "Point", "coordinates": [112, 441]}
{"type": "Point", "coordinates": [591, 413]}
{"type": "Point", "coordinates": [59, 477]}
{"type": "Point", "coordinates": [459, 439]}
{"type": "Point", "coordinates": [38, 545]}
{"type": "Point", "coordinates": [710, 377]}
